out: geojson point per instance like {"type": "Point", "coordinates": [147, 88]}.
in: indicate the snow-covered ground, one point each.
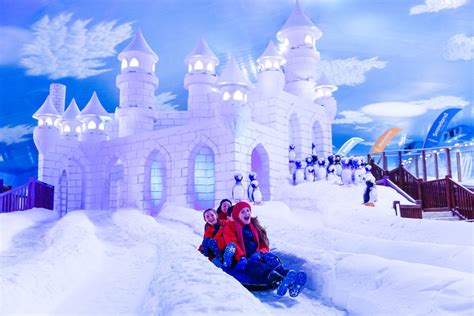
{"type": "Point", "coordinates": [360, 260]}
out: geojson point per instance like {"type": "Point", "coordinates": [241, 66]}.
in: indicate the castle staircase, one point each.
{"type": "Point", "coordinates": [32, 194]}
{"type": "Point", "coordinates": [441, 199]}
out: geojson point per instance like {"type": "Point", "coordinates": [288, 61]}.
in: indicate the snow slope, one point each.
{"type": "Point", "coordinates": [360, 260]}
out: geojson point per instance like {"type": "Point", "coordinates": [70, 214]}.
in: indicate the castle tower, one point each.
{"type": "Point", "coordinates": [93, 118]}
{"type": "Point", "coordinates": [70, 125]}
{"type": "Point", "coordinates": [46, 133]}
{"type": "Point", "coordinates": [137, 83]}
{"type": "Point", "coordinates": [270, 76]}
{"type": "Point", "coordinates": [234, 86]}
{"type": "Point", "coordinates": [200, 79]}
{"type": "Point", "coordinates": [323, 92]}
{"type": "Point", "coordinates": [57, 93]}
{"type": "Point", "coordinates": [299, 36]}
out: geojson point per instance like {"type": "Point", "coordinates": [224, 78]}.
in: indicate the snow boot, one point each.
{"type": "Point", "coordinates": [217, 262]}
{"type": "Point", "coordinates": [289, 279]}
{"type": "Point", "coordinates": [295, 289]}
{"type": "Point", "coordinates": [205, 247]}
{"type": "Point", "coordinates": [275, 278]}
{"type": "Point", "coordinates": [229, 253]}
{"type": "Point", "coordinates": [212, 246]}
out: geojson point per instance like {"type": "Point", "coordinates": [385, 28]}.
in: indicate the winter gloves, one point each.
{"type": "Point", "coordinates": [257, 256]}
{"type": "Point", "coordinates": [240, 266]}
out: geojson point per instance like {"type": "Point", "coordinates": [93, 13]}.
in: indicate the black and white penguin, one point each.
{"type": "Point", "coordinates": [370, 193]}
{"type": "Point", "coordinates": [368, 173]}
{"type": "Point", "coordinates": [309, 164]}
{"type": "Point", "coordinates": [238, 191]}
{"type": "Point", "coordinates": [256, 193]}
{"type": "Point", "coordinates": [310, 174]}
{"type": "Point", "coordinates": [252, 176]}
{"type": "Point", "coordinates": [332, 178]}
{"type": "Point", "coordinates": [338, 165]}
{"type": "Point", "coordinates": [321, 172]}
{"type": "Point", "coordinates": [298, 176]}
{"type": "Point", "coordinates": [358, 171]}
{"type": "Point", "coordinates": [346, 173]}
{"type": "Point", "coordinates": [292, 158]}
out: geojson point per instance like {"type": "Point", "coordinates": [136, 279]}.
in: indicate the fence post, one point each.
{"type": "Point", "coordinates": [458, 165]}
{"type": "Point", "coordinates": [416, 166]}
{"type": "Point", "coordinates": [435, 156]}
{"type": "Point", "coordinates": [448, 162]}
{"type": "Point", "coordinates": [384, 161]}
{"type": "Point", "coordinates": [31, 194]}
{"type": "Point", "coordinates": [423, 164]}
{"type": "Point", "coordinates": [419, 187]}
{"type": "Point", "coordinates": [449, 193]}
{"type": "Point", "coordinates": [396, 206]}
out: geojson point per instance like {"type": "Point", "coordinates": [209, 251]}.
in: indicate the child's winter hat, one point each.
{"type": "Point", "coordinates": [238, 207]}
{"type": "Point", "coordinates": [208, 210]}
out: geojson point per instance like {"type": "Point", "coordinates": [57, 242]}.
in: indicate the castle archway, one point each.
{"type": "Point", "coordinates": [201, 178]}
{"type": "Point", "coordinates": [260, 163]}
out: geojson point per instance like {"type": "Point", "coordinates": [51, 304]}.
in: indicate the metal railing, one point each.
{"type": "Point", "coordinates": [32, 194]}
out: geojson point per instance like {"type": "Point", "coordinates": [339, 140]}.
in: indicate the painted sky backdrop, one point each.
{"type": "Point", "coordinates": [397, 63]}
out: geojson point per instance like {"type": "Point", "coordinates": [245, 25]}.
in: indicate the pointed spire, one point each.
{"type": "Point", "coordinates": [94, 108]}
{"type": "Point", "coordinates": [271, 51]}
{"type": "Point", "coordinates": [233, 75]}
{"type": "Point", "coordinates": [139, 44]}
{"type": "Point", "coordinates": [71, 112]}
{"type": "Point", "coordinates": [202, 50]}
{"type": "Point", "coordinates": [47, 108]}
{"type": "Point", "coordinates": [296, 19]}
{"type": "Point", "coordinates": [323, 82]}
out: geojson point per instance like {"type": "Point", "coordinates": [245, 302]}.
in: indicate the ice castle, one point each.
{"type": "Point", "coordinates": [141, 157]}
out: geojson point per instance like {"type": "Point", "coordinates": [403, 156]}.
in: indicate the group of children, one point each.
{"type": "Point", "coordinates": [236, 242]}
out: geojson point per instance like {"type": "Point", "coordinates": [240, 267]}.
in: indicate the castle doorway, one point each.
{"type": "Point", "coordinates": [260, 164]}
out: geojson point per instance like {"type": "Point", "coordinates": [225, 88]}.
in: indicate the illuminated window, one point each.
{"type": "Point", "coordinates": [226, 96]}
{"type": "Point", "coordinates": [40, 122]}
{"type": "Point", "coordinates": [268, 64]}
{"type": "Point", "coordinates": [134, 62]}
{"type": "Point", "coordinates": [204, 179]}
{"type": "Point", "coordinates": [245, 97]}
{"type": "Point", "coordinates": [91, 125]}
{"type": "Point", "coordinates": [238, 96]}
{"type": "Point", "coordinates": [66, 129]}
{"type": "Point", "coordinates": [276, 65]}
{"type": "Point", "coordinates": [57, 123]}
{"type": "Point", "coordinates": [102, 126]}
{"type": "Point", "coordinates": [78, 129]}
{"type": "Point", "coordinates": [210, 67]}
{"type": "Point", "coordinates": [153, 67]}
{"type": "Point", "coordinates": [198, 65]}
{"type": "Point", "coordinates": [124, 63]}
{"type": "Point", "coordinates": [157, 187]}
{"type": "Point", "coordinates": [83, 127]}
{"type": "Point", "coordinates": [48, 121]}
{"type": "Point", "coordinates": [286, 42]}
{"type": "Point", "coordinates": [308, 39]}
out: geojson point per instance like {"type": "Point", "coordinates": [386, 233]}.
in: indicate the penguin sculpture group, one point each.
{"type": "Point", "coordinates": [238, 191]}
{"type": "Point", "coordinates": [370, 193]}
{"type": "Point", "coordinates": [252, 194]}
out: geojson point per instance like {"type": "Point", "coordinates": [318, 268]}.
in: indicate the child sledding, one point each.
{"type": "Point", "coordinates": [247, 258]}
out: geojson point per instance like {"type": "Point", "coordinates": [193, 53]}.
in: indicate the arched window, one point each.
{"type": "Point", "coordinates": [48, 121]}
{"type": "Point", "coordinates": [78, 129]}
{"type": "Point", "coordinates": [226, 96]}
{"type": "Point", "coordinates": [276, 65]}
{"type": "Point", "coordinates": [102, 126]}
{"type": "Point", "coordinates": [286, 42]}
{"type": "Point", "coordinates": [190, 67]}
{"type": "Point", "coordinates": [66, 129]}
{"type": "Point", "coordinates": [210, 67]}
{"type": "Point", "coordinates": [198, 65]}
{"type": "Point", "coordinates": [157, 187]}
{"type": "Point", "coordinates": [153, 67]}
{"type": "Point", "coordinates": [40, 122]}
{"type": "Point", "coordinates": [134, 62]}
{"type": "Point", "coordinates": [124, 63]}
{"type": "Point", "coordinates": [268, 64]}
{"type": "Point", "coordinates": [308, 40]}
{"type": "Point", "coordinates": [204, 179]}
{"type": "Point", "coordinates": [238, 96]}
{"type": "Point", "coordinates": [245, 97]}
{"type": "Point", "coordinates": [91, 125]}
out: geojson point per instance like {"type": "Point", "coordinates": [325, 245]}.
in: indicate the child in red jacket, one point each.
{"type": "Point", "coordinates": [247, 244]}
{"type": "Point", "coordinates": [222, 209]}
{"type": "Point", "coordinates": [209, 246]}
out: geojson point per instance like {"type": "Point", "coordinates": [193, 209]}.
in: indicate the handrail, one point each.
{"type": "Point", "coordinates": [32, 194]}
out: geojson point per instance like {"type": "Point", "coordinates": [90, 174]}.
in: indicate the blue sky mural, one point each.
{"type": "Point", "coordinates": [397, 63]}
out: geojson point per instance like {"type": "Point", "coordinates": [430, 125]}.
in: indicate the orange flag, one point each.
{"type": "Point", "coordinates": [384, 139]}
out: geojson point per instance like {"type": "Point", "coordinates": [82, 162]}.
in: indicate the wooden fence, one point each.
{"type": "Point", "coordinates": [33, 194]}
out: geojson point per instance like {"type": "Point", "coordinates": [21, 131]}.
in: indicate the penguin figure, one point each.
{"type": "Point", "coordinates": [309, 164]}
{"type": "Point", "coordinates": [298, 176]}
{"type": "Point", "coordinates": [252, 176]}
{"type": "Point", "coordinates": [292, 158]}
{"type": "Point", "coordinates": [256, 193]}
{"type": "Point", "coordinates": [358, 172]}
{"type": "Point", "coordinates": [370, 193]}
{"type": "Point", "coordinates": [330, 162]}
{"type": "Point", "coordinates": [238, 191]}
{"type": "Point", "coordinates": [368, 173]}
{"type": "Point", "coordinates": [321, 173]}
{"type": "Point", "coordinates": [310, 174]}
{"type": "Point", "coordinates": [315, 160]}
{"type": "Point", "coordinates": [346, 174]}
{"type": "Point", "coordinates": [313, 149]}
{"type": "Point", "coordinates": [337, 164]}
{"type": "Point", "coordinates": [332, 178]}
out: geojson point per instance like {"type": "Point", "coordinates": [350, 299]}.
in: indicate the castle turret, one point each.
{"type": "Point", "coordinates": [270, 76]}
{"type": "Point", "coordinates": [46, 134]}
{"type": "Point", "coordinates": [234, 86]}
{"type": "Point", "coordinates": [200, 79]}
{"type": "Point", "coordinates": [93, 118]}
{"type": "Point", "coordinates": [70, 125]}
{"type": "Point", "coordinates": [299, 37]}
{"type": "Point", "coordinates": [323, 91]}
{"type": "Point", "coordinates": [57, 93]}
{"type": "Point", "coordinates": [137, 83]}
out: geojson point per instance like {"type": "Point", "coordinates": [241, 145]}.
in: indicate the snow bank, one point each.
{"type": "Point", "coordinates": [39, 284]}
{"type": "Point", "coordinates": [13, 223]}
